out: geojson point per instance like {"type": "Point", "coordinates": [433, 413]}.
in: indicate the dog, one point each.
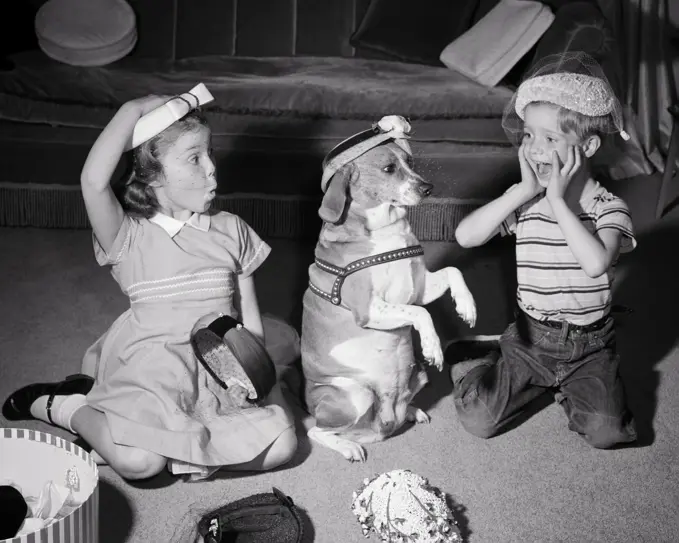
{"type": "Point", "coordinates": [367, 283]}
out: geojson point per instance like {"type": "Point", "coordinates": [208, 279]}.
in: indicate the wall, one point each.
{"type": "Point", "coordinates": [175, 29]}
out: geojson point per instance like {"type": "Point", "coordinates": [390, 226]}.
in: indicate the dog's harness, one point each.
{"type": "Point", "coordinates": [335, 296]}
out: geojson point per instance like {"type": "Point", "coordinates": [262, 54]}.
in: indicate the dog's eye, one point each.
{"type": "Point", "coordinates": [390, 168]}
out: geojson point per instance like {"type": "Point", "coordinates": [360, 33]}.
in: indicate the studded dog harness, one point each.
{"type": "Point", "coordinates": [335, 296]}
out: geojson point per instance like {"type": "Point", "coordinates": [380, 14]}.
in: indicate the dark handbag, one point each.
{"type": "Point", "coordinates": [262, 518]}
{"type": "Point", "coordinates": [230, 353]}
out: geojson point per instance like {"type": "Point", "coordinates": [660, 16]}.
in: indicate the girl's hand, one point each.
{"type": "Point", "coordinates": [148, 103]}
{"type": "Point", "coordinates": [529, 182]}
{"type": "Point", "coordinates": [238, 396]}
{"type": "Point", "coordinates": [562, 176]}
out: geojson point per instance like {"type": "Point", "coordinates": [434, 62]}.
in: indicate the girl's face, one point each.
{"type": "Point", "coordinates": [542, 136]}
{"type": "Point", "coordinates": [188, 182]}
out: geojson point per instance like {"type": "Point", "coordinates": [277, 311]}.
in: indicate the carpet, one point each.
{"type": "Point", "coordinates": [537, 483]}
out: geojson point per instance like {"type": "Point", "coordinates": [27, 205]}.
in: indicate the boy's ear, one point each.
{"type": "Point", "coordinates": [591, 145]}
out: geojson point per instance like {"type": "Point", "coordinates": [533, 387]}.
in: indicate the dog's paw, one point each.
{"type": "Point", "coordinates": [466, 307]}
{"type": "Point", "coordinates": [353, 451]}
{"type": "Point", "coordinates": [350, 450]}
{"type": "Point", "coordinates": [432, 353]}
{"type": "Point", "coordinates": [415, 414]}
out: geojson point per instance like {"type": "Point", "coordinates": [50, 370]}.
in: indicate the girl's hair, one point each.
{"type": "Point", "coordinates": [135, 193]}
{"type": "Point", "coordinates": [581, 125]}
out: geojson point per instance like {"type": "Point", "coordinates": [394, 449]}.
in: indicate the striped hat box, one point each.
{"type": "Point", "coordinates": [29, 459]}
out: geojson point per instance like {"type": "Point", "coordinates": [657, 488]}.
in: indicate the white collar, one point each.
{"type": "Point", "coordinates": [199, 221]}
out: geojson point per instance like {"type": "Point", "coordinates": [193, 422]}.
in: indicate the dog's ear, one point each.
{"type": "Point", "coordinates": [335, 199]}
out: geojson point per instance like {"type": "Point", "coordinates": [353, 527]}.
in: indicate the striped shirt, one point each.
{"type": "Point", "coordinates": [551, 283]}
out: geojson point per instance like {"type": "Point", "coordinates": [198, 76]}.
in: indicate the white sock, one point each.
{"type": "Point", "coordinates": [63, 408]}
{"type": "Point", "coordinates": [98, 459]}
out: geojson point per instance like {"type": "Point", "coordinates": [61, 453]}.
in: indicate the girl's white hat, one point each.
{"type": "Point", "coordinates": [154, 122]}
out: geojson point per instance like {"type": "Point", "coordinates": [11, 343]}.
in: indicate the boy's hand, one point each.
{"type": "Point", "coordinates": [529, 182]}
{"type": "Point", "coordinates": [561, 176]}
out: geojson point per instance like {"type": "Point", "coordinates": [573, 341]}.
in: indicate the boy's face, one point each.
{"type": "Point", "coordinates": [188, 181]}
{"type": "Point", "coordinates": [541, 136]}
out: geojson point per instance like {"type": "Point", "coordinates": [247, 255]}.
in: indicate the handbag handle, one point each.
{"type": "Point", "coordinates": [223, 324]}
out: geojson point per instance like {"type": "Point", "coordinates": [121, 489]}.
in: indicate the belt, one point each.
{"type": "Point", "coordinates": [591, 327]}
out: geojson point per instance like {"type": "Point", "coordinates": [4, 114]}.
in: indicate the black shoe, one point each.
{"type": "Point", "coordinates": [18, 405]}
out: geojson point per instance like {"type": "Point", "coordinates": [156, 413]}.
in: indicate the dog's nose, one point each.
{"type": "Point", "coordinates": [425, 188]}
{"type": "Point", "coordinates": [387, 426]}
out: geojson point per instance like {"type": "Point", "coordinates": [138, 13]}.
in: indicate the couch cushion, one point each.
{"type": "Point", "coordinates": [580, 26]}
{"type": "Point", "coordinates": [41, 90]}
{"type": "Point", "coordinates": [492, 47]}
{"type": "Point", "coordinates": [413, 30]}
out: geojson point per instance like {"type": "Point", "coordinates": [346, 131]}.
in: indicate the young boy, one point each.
{"type": "Point", "coordinates": [569, 231]}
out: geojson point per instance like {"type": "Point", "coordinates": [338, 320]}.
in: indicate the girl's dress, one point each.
{"type": "Point", "coordinates": [155, 394]}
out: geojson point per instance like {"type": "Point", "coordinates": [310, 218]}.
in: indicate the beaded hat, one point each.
{"type": "Point", "coordinates": [390, 127]}
{"type": "Point", "coordinates": [401, 506]}
{"type": "Point", "coordinates": [574, 81]}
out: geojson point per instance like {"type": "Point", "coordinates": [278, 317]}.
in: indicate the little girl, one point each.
{"type": "Point", "coordinates": [150, 400]}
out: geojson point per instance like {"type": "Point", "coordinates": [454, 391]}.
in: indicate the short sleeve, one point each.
{"type": "Point", "coordinates": [614, 213]}
{"type": "Point", "coordinates": [252, 250]}
{"type": "Point", "coordinates": [121, 244]}
{"type": "Point", "coordinates": [508, 226]}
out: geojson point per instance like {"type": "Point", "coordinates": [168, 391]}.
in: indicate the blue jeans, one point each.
{"type": "Point", "coordinates": [579, 366]}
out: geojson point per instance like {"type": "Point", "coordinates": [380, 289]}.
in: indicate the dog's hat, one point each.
{"type": "Point", "coordinates": [390, 127]}
{"type": "Point", "coordinates": [232, 355]}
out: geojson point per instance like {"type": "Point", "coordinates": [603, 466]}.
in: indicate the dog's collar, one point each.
{"type": "Point", "coordinates": [335, 295]}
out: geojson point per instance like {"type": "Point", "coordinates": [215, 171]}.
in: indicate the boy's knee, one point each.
{"type": "Point", "coordinates": [282, 450]}
{"type": "Point", "coordinates": [484, 430]}
{"type": "Point", "coordinates": [604, 432]}
{"type": "Point", "coordinates": [476, 421]}
{"type": "Point", "coordinates": [139, 464]}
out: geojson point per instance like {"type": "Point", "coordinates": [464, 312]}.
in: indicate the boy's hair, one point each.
{"type": "Point", "coordinates": [135, 193]}
{"type": "Point", "coordinates": [582, 125]}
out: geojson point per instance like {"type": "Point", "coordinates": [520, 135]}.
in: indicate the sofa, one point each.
{"type": "Point", "coordinates": [291, 79]}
